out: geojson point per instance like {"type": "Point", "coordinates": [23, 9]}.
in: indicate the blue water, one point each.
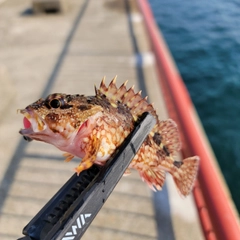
{"type": "Point", "coordinates": [204, 39]}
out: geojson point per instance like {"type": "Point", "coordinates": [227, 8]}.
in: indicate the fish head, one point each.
{"type": "Point", "coordinates": [59, 118]}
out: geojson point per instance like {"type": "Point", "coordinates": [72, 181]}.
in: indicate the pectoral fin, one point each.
{"type": "Point", "coordinates": [91, 154]}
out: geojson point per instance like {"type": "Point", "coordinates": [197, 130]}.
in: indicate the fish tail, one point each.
{"type": "Point", "coordinates": [166, 136]}
{"type": "Point", "coordinates": [184, 174]}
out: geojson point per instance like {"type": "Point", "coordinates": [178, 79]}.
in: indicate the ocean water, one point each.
{"type": "Point", "coordinates": [204, 39]}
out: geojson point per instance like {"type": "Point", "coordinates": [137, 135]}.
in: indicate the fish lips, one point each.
{"type": "Point", "coordinates": [33, 124]}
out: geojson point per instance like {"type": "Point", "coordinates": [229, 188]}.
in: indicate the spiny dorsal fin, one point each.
{"type": "Point", "coordinates": [134, 101]}
{"type": "Point", "coordinates": [102, 88]}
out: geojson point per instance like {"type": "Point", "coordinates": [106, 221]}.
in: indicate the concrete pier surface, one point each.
{"type": "Point", "coordinates": [70, 52]}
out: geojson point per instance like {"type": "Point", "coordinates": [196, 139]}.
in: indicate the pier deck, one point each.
{"type": "Point", "coordinates": [70, 53]}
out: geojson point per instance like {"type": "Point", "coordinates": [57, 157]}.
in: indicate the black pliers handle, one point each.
{"type": "Point", "coordinates": [71, 210]}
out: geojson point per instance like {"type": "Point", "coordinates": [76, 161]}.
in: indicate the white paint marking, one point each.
{"type": "Point", "coordinates": [83, 219]}
{"type": "Point", "coordinates": [143, 59]}
{"type": "Point", "coordinates": [74, 229]}
{"type": "Point", "coordinates": [79, 223]}
{"type": "Point", "coordinates": [136, 17]}
{"type": "Point", "coordinates": [68, 238]}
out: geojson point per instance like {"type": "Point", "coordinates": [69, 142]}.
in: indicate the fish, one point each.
{"type": "Point", "coordinates": [93, 127]}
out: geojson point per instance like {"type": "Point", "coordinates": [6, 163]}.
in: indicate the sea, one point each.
{"type": "Point", "coordinates": [204, 40]}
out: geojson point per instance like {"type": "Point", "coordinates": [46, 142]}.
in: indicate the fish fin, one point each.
{"type": "Point", "coordinates": [127, 172]}
{"type": "Point", "coordinates": [134, 101]}
{"type": "Point", "coordinates": [184, 174]}
{"type": "Point", "coordinates": [91, 155]}
{"type": "Point", "coordinates": [111, 92]}
{"type": "Point", "coordinates": [68, 156]}
{"type": "Point", "coordinates": [166, 136]}
{"type": "Point", "coordinates": [153, 177]}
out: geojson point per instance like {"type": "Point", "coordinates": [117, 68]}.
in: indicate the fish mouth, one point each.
{"type": "Point", "coordinates": [32, 123]}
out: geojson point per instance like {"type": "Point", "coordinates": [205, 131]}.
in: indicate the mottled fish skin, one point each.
{"type": "Point", "coordinates": [92, 127]}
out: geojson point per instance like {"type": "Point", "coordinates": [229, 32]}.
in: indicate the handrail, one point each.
{"type": "Point", "coordinates": [216, 211]}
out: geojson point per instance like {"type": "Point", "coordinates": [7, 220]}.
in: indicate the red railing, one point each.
{"type": "Point", "coordinates": [217, 214]}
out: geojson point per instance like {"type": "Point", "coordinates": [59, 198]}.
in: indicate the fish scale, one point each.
{"type": "Point", "coordinates": [92, 127]}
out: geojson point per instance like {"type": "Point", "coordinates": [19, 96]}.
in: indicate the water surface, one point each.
{"type": "Point", "coordinates": [204, 39]}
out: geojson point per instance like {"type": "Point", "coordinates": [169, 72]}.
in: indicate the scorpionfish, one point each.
{"type": "Point", "coordinates": [92, 127]}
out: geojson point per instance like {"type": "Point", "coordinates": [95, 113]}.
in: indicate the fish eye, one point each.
{"type": "Point", "coordinates": [55, 103]}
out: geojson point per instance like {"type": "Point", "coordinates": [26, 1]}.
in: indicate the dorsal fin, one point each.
{"type": "Point", "coordinates": [134, 101]}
